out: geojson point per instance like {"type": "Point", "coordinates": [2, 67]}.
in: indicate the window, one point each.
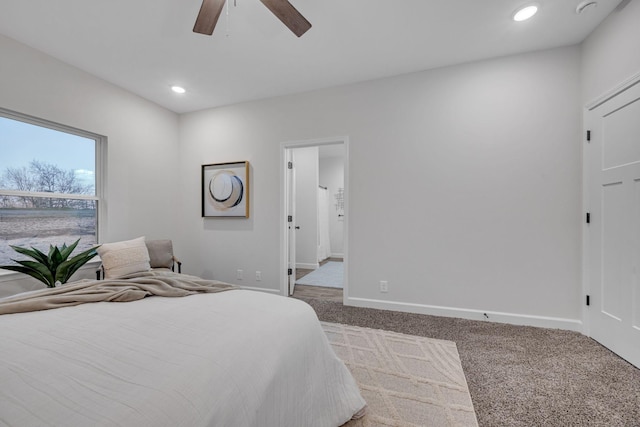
{"type": "Point", "coordinates": [50, 185]}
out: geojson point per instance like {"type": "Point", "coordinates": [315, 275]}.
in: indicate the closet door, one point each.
{"type": "Point", "coordinates": [612, 169]}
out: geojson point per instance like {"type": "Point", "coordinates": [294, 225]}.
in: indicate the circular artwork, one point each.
{"type": "Point", "coordinates": [226, 190]}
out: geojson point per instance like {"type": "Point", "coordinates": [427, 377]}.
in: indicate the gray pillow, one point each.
{"type": "Point", "coordinates": [160, 253]}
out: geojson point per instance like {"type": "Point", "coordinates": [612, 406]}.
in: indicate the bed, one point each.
{"type": "Point", "coordinates": [227, 357]}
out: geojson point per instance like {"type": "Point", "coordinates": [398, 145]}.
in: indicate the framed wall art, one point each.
{"type": "Point", "coordinates": [225, 190]}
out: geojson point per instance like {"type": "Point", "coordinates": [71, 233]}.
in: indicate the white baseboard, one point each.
{"type": "Point", "coordinates": [337, 255]}
{"type": "Point", "coordinates": [489, 316]}
{"type": "Point", "coordinates": [251, 288]}
{"type": "Point", "coordinates": [307, 265]}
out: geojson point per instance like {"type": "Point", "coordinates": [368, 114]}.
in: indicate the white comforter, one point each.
{"type": "Point", "coordinates": [236, 358]}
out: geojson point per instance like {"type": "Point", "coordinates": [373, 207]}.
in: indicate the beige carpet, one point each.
{"type": "Point", "coordinates": [406, 380]}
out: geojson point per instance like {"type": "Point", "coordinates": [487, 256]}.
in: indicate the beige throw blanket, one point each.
{"type": "Point", "coordinates": [123, 289]}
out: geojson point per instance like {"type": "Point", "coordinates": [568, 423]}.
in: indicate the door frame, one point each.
{"type": "Point", "coordinates": [587, 288]}
{"type": "Point", "coordinates": [290, 200]}
{"type": "Point", "coordinates": [284, 236]}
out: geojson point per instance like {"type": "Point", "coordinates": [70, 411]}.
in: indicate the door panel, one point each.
{"type": "Point", "coordinates": [613, 250]}
{"type": "Point", "coordinates": [613, 194]}
{"type": "Point", "coordinates": [620, 147]}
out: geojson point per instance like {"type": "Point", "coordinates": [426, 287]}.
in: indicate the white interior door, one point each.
{"type": "Point", "coordinates": [613, 199]}
{"type": "Point", "coordinates": [290, 183]}
{"type": "Point", "coordinates": [324, 236]}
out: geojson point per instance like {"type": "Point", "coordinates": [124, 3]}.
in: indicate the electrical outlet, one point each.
{"type": "Point", "coordinates": [239, 274]}
{"type": "Point", "coordinates": [258, 276]}
{"type": "Point", "coordinates": [384, 286]}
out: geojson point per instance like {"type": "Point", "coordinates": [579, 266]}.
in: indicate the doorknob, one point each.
{"type": "Point", "coordinates": [297, 227]}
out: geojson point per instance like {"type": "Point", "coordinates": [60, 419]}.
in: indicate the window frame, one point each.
{"type": "Point", "coordinates": [100, 170]}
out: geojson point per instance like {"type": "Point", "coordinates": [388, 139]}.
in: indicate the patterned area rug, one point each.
{"type": "Point", "coordinates": [406, 380]}
{"type": "Point", "coordinates": [330, 274]}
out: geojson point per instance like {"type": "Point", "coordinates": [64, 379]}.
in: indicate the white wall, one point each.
{"type": "Point", "coordinates": [142, 137]}
{"type": "Point", "coordinates": [611, 55]}
{"type": "Point", "coordinates": [465, 181]}
{"type": "Point", "coordinates": [305, 163]}
{"type": "Point", "coordinates": [332, 177]}
{"type": "Point", "coordinates": [464, 186]}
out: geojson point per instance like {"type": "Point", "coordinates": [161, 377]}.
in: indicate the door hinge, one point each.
{"type": "Point", "coordinates": [290, 272]}
{"type": "Point", "coordinates": [289, 218]}
{"type": "Point", "coordinates": [588, 135]}
{"type": "Point", "coordinates": [588, 302]}
{"type": "Point", "coordinates": [588, 218]}
{"type": "Point", "coordinates": [289, 165]}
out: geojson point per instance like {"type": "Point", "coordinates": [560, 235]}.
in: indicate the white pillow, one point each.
{"type": "Point", "coordinates": [126, 257]}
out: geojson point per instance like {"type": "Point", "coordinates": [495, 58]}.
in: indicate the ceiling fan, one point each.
{"type": "Point", "coordinates": [284, 11]}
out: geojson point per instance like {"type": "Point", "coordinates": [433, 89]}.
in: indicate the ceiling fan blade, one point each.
{"type": "Point", "coordinates": [208, 16]}
{"type": "Point", "coordinates": [289, 15]}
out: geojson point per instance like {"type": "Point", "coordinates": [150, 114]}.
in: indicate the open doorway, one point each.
{"type": "Point", "coordinates": [315, 232]}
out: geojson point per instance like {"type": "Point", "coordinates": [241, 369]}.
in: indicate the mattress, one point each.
{"type": "Point", "coordinates": [235, 358]}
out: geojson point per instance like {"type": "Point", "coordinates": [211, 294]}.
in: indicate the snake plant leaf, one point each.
{"type": "Point", "coordinates": [31, 253]}
{"type": "Point", "coordinates": [25, 270]}
{"type": "Point", "coordinates": [53, 266]}
{"type": "Point", "coordinates": [66, 251]}
{"type": "Point", "coordinates": [67, 268]}
{"type": "Point", "coordinates": [55, 257]}
{"type": "Point", "coordinates": [38, 270]}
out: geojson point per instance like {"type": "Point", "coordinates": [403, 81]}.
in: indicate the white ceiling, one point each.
{"type": "Point", "coordinates": [145, 46]}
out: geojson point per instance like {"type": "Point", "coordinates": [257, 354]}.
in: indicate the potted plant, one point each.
{"type": "Point", "coordinates": [54, 268]}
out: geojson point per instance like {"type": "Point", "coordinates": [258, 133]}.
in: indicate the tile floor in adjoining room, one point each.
{"type": "Point", "coordinates": [317, 292]}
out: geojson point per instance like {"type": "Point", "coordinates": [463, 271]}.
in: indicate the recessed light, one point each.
{"type": "Point", "coordinates": [525, 13]}
{"type": "Point", "coordinates": [178, 89]}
